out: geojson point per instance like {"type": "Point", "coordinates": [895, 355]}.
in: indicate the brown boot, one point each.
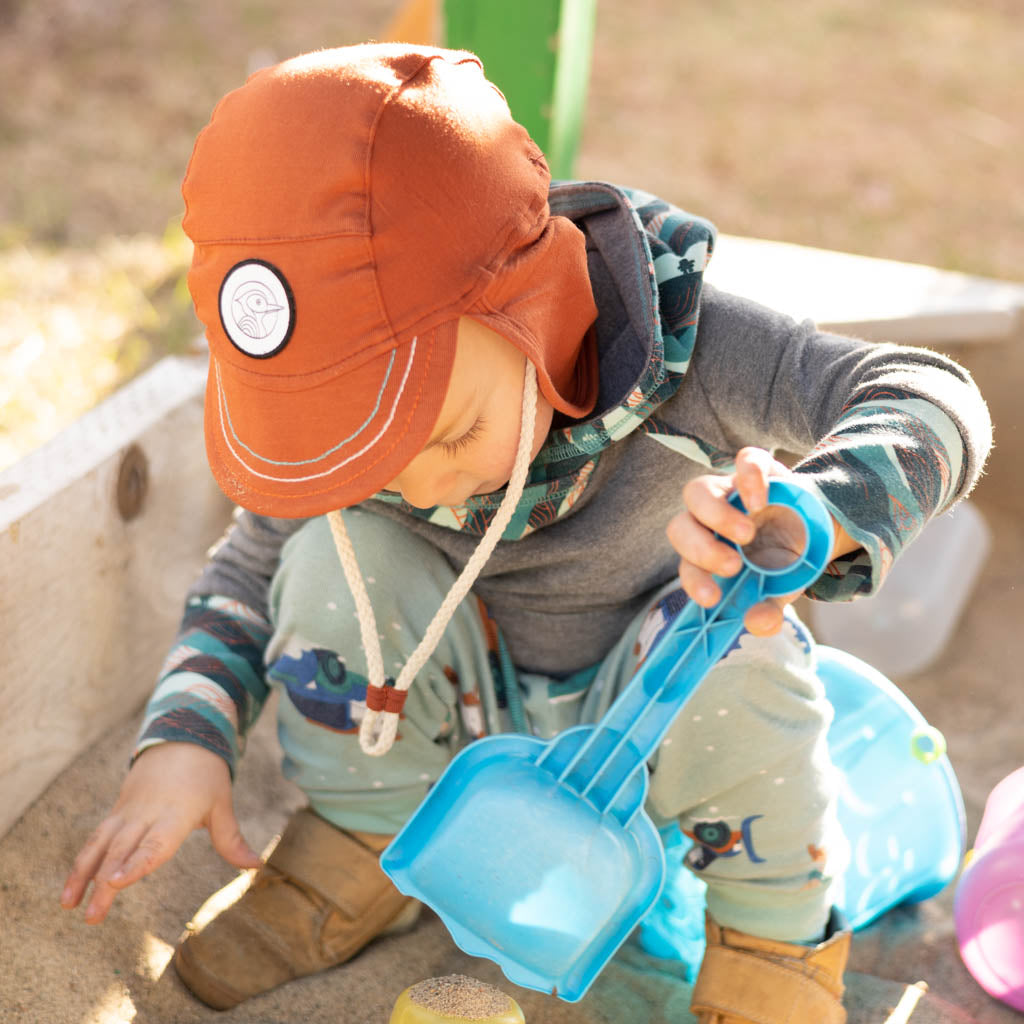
{"type": "Point", "coordinates": [320, 897]}
{"type": "Point", "coordinates": [747, 980]}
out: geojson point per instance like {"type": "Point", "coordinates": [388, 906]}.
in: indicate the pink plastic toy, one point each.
{"type": "Point", "coordinates": [988, 908]}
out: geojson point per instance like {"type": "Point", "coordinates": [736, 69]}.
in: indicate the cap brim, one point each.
{"type": "Point", "coordinates": [304, 451]}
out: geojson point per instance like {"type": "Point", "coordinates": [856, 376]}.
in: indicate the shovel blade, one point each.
{"type": "Point", "coordinates": [525, 872]}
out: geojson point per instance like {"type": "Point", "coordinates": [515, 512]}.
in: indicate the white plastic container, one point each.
{"type": "Point", "coordinates": [905, 626]}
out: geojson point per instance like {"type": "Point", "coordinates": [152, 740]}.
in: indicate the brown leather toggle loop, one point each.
{"type": "Point", "coordinates": [385, 698]}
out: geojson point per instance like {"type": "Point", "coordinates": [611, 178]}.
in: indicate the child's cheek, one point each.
{"type": "Point", "coordinates": [542, 424]}
{"type": "Point", "coordinates": [501, 460]}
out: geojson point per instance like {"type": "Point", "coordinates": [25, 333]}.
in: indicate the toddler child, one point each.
{"type": "Point", "coordinates": [431, 362]}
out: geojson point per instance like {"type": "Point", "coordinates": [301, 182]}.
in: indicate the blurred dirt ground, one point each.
{"type": "Point", "coordinates": [884, 127]}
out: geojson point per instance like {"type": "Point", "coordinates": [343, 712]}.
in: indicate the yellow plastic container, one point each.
{"type": "Point", "coordinates": [455, 999]}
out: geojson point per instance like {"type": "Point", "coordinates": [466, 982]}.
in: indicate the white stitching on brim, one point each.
{"type": "Point", "coordinates": [330, 451]}
{"type": "Point", "coordinates": [223, 411]}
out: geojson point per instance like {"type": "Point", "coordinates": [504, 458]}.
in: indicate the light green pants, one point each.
{"type": "Point", "coordinates": [744, 768]}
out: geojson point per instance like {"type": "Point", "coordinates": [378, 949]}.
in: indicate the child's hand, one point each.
{"type": "Point", "coordinates": [171, 789]}
{"type": "Point", "coordinates": [778, 538]}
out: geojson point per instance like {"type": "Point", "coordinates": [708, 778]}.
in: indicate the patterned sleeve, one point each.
{"type": "Point", "coordinates": [892, 462]}
{"type": "Point", "coordinates": [211, 687]}
{"type": "Point", "coordinates": [887, 435]}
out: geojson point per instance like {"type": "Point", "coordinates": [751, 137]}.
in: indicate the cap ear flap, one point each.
{"type": "Point", "coordinates": [542, 301]}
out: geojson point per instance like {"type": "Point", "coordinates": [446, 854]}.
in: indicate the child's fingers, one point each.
{"type": "Point", "coordinates": [121, 847]}
{"type": "Point", "coordinates": [766, 618]}
{"type": "Point", "coordinates": [699, 585]}
{"type": "Point", "coordinates": [142, 850]}
{"type": "Point", "coordinates": [700, 549]}
{"type": "Point", "coordinates": [154, 846]}
{"type": "Point", "coordinates": [754, 467]}
{"type": "Point", "coordinates": [699, 533]}
{"type": "Point", "coordinates": [87, 862]}
{"type": "Point", "coordinates": [228, 840]}
{"type": "Point", "coordinates": [706, 501]}
{"type": "Point", "coordinates": [100, 902]}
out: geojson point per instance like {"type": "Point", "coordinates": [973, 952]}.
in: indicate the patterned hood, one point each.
{"type": "Point", "coordinates": [646, 329]}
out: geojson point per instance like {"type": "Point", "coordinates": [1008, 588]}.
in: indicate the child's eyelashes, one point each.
{"type": "Point", "coordinates": [452, 448]}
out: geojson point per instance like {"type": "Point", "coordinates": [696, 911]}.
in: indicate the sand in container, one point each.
{"type": "Point", "coordinates": [454, 999]}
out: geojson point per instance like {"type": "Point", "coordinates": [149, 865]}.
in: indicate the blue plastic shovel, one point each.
{"type": "Point", "coordinates": [539, 855]}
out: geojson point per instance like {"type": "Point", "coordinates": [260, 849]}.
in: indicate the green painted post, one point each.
{"type": "Point", "coordinates": [538, 53]}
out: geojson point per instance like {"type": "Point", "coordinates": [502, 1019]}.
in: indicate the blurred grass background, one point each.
{"type": "Point", "coordinates": [889, 128]}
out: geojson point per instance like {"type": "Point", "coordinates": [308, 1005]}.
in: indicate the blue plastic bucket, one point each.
{"type": "Point", "coordinates": [899, 805]}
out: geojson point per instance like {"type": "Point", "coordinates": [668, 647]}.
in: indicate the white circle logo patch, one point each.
{"type": "Point", "coordinates": [257, 309]}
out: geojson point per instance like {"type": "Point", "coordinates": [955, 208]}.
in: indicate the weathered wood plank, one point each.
{"type": "Point", "coordinates": [882, 300]}
{"type": "Point", "coordinates": [89, 600]}
{"type": "Point", "coordinates": [978, 321]}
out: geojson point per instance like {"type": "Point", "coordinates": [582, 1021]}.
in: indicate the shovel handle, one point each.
{"type": "Point", "coordinates": [637, 721]}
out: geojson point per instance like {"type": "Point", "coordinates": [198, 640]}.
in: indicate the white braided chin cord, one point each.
{"type": "Point", "coordinates": [385, 723]}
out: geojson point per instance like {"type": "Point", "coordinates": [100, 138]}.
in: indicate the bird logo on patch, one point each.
{"type": "Point", "coordinates": [257, 309]}
{"type": "Point", "coordinates": [254, 310]}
